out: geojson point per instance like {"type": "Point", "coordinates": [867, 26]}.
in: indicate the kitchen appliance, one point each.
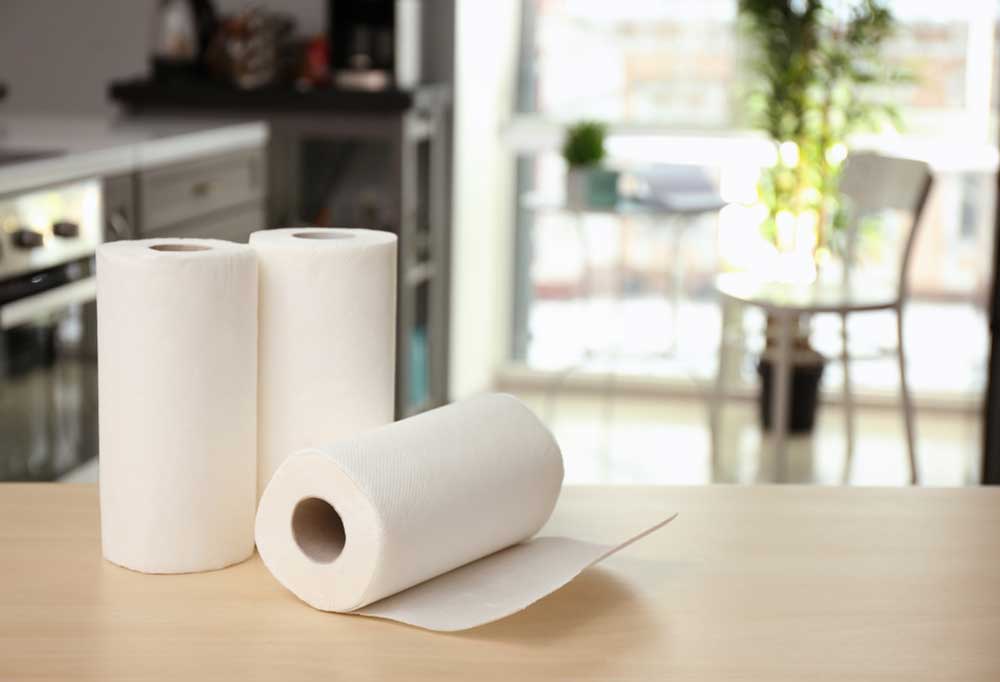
{"type": "Point", "coordinates": [48, 330]}
{"type": "Point", "coordinates": [375, 44]}
{"type": "Point", "coordinates": [181, 32]}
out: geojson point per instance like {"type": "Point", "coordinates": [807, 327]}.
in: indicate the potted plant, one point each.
{"type": "Point", "coordinates": [815, 64]}
{"type": "Point", "coordinates": [588, 183]}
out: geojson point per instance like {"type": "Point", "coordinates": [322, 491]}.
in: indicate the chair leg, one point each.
{"type": "Point", "coordinates": [906, 399]}
{"type": "Point", "coordinates": [677, 263]}
{"type": "Point", "coordinates": [553, 389]}
{"type": "Point", "coordinates": [848, 398]}
{"type": "Point", "coordinates": [608, 411]}
{"type": "Point", "coordinates": [780, 389]}
{"type": "Point", "coordinates": [718, 395]}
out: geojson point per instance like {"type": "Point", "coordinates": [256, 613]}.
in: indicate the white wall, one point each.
{"type": "Point", "coordinates": [60, 55]}
{"type": "Point", "coordinates": [486, 40]}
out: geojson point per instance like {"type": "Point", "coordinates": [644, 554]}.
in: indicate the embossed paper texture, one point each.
{"type": "Point", "coordinates": [428, 521]}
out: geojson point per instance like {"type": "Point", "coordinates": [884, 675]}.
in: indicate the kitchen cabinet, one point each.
{"type": "Point", "coordinates": [66, 185]}
{"type": "Point", "coordinates": [335, 158]}
{"type": "Point", "coordinates": [119, 207]}
{"type": "Point", "coordinates": [220, 196]}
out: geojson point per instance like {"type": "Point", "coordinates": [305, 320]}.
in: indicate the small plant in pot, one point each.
{"type": "Point", "coordinates": [588, 183]}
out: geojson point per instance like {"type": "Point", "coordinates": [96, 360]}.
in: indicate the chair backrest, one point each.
{"type": "Point", "coordinates": [873, 183]}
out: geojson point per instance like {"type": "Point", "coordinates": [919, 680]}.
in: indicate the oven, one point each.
{"type": "Point", "coordinates": [48, 330]}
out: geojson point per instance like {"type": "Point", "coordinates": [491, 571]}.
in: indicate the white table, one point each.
{"type": "Point", "coordinates": [786, 303]}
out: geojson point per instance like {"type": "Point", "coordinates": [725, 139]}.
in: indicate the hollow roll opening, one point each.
{"type": "Point", "coordinates": [179, 247]}
{"type": "Point", "coordinates": [322, 235]}
{"type": "Point", "coordinates": [318, 530]}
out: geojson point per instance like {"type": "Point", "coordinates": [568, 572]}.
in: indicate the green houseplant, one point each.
{"type": "Point", "coordinates": [588, 184]}
{"type": "Point", "coordinates": [817, 64]}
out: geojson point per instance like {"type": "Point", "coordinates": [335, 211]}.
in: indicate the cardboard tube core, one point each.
{"type": "Point", "coordinates": [318, 530]}
{"type": "Point", "coordinates": [179, 247]}
{"type": "Point", "coordinates": [322, 235]}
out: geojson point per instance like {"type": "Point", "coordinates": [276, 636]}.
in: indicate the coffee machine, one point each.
{"type": "Point", "coordinates": [374, 44]}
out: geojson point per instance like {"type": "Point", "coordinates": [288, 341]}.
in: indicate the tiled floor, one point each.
{"type": "Point", "coordinates": [666, 441]}
{"type": "Point", "coordinates": [651, 439]}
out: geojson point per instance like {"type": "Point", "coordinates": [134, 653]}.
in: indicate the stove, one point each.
{"type": "Point", "coordinates": [47, 228]}
{"type": "Point", "coordinates": [48, 329]}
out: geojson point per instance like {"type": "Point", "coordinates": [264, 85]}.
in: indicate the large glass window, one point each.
{"type": "Point", "coordinates": [670, 78]}
{"type": "Point", "coordinates": [638, 61]}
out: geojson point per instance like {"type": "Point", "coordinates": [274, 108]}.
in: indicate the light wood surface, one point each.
{"type": "Point", "coordinates": [755, 583]}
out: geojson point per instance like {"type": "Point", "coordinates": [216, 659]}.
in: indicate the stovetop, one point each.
{"type": "Point", "coordinates": [47, 228]}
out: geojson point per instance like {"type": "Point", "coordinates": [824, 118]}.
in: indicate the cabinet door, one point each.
{"type": "Point", "coordinates": [234, 225]}
{"type": "Point", "coordinates": [119, 208]}
{"type": "Point", "coordinates": [194, 190]}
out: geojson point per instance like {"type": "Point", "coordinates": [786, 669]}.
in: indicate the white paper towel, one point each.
{"type": "Point", "coordinates": [327, 337]}
{"type": "Point", "coordinates": [177, 330]}
{"type": "Point", "coordinates": [420, 521]}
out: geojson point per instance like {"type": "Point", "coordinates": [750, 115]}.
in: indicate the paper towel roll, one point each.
{"type": "Point", "coordinates": [327, 337]}
{"type": "Point", "coordinates": [177, 354]}
{"type": "Point", "coordinates": [378, 524]}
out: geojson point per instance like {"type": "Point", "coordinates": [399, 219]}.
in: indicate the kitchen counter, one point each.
{"type": "Point", "coordinates": [43, 150]}
{"type": "Point", "coordinates": [140, 94]}
{"type": "Point", "coordinates": [750, 583]}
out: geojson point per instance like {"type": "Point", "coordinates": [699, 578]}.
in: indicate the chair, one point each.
{"type": "Point", "coordinates": [871, 183]}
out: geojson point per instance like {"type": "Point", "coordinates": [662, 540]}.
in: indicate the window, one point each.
{"type": "Point", "coordinates": [669, 77]}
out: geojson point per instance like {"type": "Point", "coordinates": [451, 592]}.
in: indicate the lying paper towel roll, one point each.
{"type": "Point", "coordinates": [327, 337]}
{"type": "Point", "coordinates": [177, 330]}
{"type": "Point", "coordinates": [378, 524]}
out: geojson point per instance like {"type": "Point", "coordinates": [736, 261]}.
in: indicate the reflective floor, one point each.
{"type": "Point", "coordinates": [647, 440]}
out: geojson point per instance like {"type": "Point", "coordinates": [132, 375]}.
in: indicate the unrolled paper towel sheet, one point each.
{"type": "Point", "coordinates": [177, 331]}
{"type": "Point", "coordinates": [327, 337]}
{"type": "Point", "coordinates": [426, 521]}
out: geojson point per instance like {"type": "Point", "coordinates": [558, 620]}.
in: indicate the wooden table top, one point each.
{"type": "Point", "coordinates": [749, 583]}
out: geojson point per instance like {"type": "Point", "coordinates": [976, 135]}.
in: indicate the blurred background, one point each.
{"type": "Point", "coordinates": [629, 302]}
{"type": "Point", "coordinates": [694, 236]}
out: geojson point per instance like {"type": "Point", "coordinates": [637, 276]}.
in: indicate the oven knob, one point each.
{"type": "Point", "coordinates": [23, 238]}
{"type": "Point", "coordinates": [65, 228]}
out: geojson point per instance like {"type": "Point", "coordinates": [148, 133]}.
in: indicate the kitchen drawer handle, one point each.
{"type": "Point", "coordinates": [47, 302]}
{"type": "Point", "coordinates": [201, 189]}
{"type": "Point", "coordinates": [118, 226]}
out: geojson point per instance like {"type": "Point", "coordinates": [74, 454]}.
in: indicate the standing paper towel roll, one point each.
{"type": "Point", "coordinates": [424, 521]}
{"type": "Point", "coordinates": [177, 330]}
{"type": "Point", "coordinates": [327, 337]}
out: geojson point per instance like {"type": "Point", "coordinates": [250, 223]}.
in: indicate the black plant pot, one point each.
{"type": "Point", "coordinates": [803, 396]}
